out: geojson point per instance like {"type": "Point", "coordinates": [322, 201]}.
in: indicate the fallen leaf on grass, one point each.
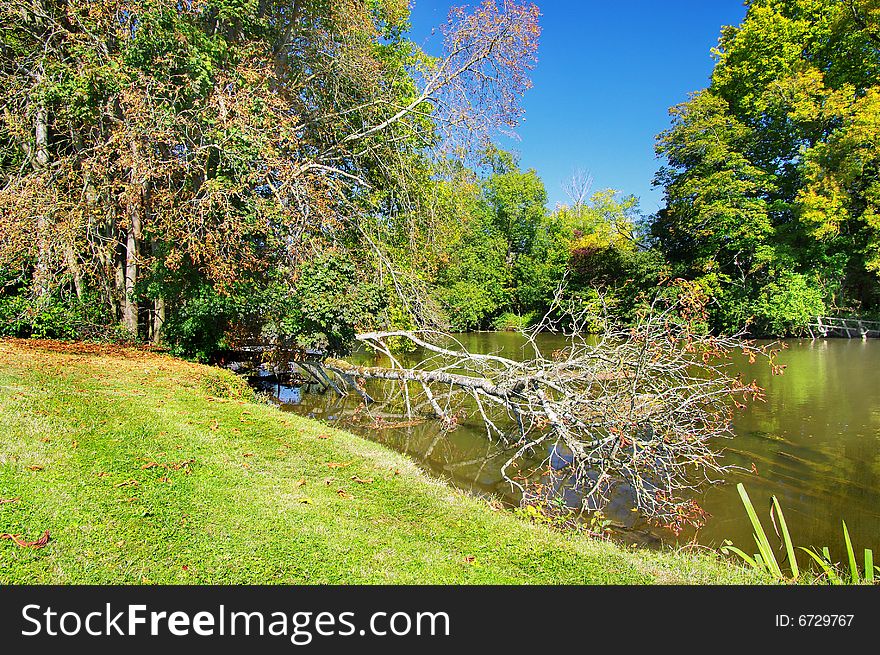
{"type": "Point", "coordinates": [328, 481]}
{"type": "Point", "coordinates": [306, 501]}
{"type": "Point", "coordinates": [149, 465]}
{"type": "Point", "coordinates": [470, 559]}
{"type": "Point", "coordinates": [247, 454]}
{"type": "Point", "coordinates": [166, 480]}
{"type": "Point", "coordinates": [103, 474]}
{"type": "Point", "coordinates": [362, 480]}
{"type": "Point", "coordinates": [215, 424]}
{"type": "Point", "coordinates": [128, 483]}
{"type": "Point", "coordinates": [45, 440]}
{"type": "Point", "coordinates": [301, 482]}
{"type": "Point", "coordinates": [8, 500]}
{"type": "Point", "coordinates": [35, 467]}
{"type": "Point", "coordinates": [39, 543]}
{"type": "Point", "coordinates": [337, 465]}
{"type": "Point", "coordinates": [75, 444]}
{"type": "Point", "coordinates": [343, 493]}
{"type": "Point", "coordinates": [246, 465]}
{"type": "Point", "coordinates": [323, 436]}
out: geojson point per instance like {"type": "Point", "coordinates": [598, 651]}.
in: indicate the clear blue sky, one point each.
{"type": "Point", "coordinates": [607, 74]}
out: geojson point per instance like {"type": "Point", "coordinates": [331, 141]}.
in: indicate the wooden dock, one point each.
{"type": "Point", "coordinates": [850, 328]}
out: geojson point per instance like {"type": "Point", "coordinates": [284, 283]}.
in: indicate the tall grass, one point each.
{"type": "Point", "coordinates": [765, 559]}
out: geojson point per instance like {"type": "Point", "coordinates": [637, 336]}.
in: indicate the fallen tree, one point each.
{"type": "Point", "coordinates": [636, 409]}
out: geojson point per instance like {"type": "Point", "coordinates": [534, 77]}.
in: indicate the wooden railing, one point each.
{"type": "Point", "coordinates": [851, 328]}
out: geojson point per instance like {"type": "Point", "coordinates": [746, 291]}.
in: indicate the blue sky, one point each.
{"type": "Point", "coordinates": [607, 74]}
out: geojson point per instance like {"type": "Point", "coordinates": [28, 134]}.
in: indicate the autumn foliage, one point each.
{"type": "Point", "coordinates": [153, 151]}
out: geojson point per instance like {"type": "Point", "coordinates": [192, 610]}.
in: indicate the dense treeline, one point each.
{"type": "Point", "coordinates": [771, 186]}
{"type": "Point", "coordinates": [773, 178]}
{"type": "Point", "coordinates": [198, 173]}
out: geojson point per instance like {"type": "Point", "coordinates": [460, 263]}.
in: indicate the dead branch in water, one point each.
{"type": "Point", "coordinates": [633, 409]}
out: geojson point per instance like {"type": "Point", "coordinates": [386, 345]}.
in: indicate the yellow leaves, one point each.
{"type": "Point", "coordinates": [337, 465]}
{"type": "Point", "coordinates": [34, 467]}
{"type": "Point", "coordinates": [131, 482]}
{"type": "Point", "coordinates": [822, 207]}
{"type": "Point", "coordinates": [300, 483]}
{"type": "Point", "coordinates": [342, 493]}
{"type": "Point", "coordinates": [362, 480]}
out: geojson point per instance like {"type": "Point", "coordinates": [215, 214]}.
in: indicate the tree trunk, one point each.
{"type": "Point", "coordinates": [158, 319]}
{"type": "Point", "coordinates": [75, 270]}
{"type": "Point", "coordinates": [129, 303]}
{"type": "Point", "coordinates": [132, 245]}
{"type": "Point", "coordinates": [119, 295]}
{"type": "Point", "coordinates": [41, 160]}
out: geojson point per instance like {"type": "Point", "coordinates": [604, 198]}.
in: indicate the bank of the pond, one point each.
{"type": "Point", "coordinates": [148, 469]}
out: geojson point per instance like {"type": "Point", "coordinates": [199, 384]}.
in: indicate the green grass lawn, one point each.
{"type": "Point", "coordinates": [147, 469]}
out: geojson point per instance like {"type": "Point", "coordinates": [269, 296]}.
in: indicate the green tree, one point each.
{"type": "Point", "coordinates": [160, 153]}
{"type": "Point", "coordinates": [769, 171]}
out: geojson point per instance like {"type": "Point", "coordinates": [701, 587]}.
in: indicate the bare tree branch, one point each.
{"type": "Point", "coordinates": [637, 409]}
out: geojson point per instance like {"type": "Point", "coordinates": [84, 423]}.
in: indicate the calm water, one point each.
{"type": "Point", "coordinates": [815, 443]}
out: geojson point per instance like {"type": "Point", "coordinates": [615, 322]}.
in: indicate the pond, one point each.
{"type": "Point", "coordinates": [815, 444]}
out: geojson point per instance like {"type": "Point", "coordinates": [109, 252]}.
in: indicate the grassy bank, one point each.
{"type": "Point", "coordinates": [147, 469]}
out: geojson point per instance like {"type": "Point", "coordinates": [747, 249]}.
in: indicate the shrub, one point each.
{"type": "Point", "coordinates": [510, 322]}
{"type": "Point", "coordinates": [60, 316]}
{"type": "Point", "coordinates": [786, 305]}
{"type": "Point", "coordinates": [468, 305]}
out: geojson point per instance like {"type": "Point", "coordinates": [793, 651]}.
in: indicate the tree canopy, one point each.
{"type": "Point", "coordinates": [772, 171]}
{"type": "Point", "coordinates": [158, 155]}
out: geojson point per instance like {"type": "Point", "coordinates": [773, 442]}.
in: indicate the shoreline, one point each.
{"type": "Point", "coordinates": [151, 470]}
